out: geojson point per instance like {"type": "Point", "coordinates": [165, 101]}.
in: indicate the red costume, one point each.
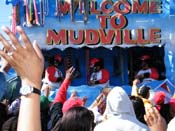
{"type": "Point", "coordinates": [147, 72]}
{"type": "Point", "coordinates": [100, 77]}
{"type": "Point", "coordinates": [52, 73]}
{"type": "Point", "coordinates": [152, 73]}
{"type": "Point", "coordinates": [99, 74]}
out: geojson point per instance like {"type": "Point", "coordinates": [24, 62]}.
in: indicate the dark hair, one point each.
{"type": "Point", "coordinates": [76, 119]}
{"type": "Point", "coordinates": [44, 119]}
{"type": "Point", "coordinates": [10, 124]}
{"type": "Point", "coordinates": [3, 114]}
{"type": "Point", "coordinates": [165, 112]}
{"type": "Point", "coordinates": [51, 60]}
{"type": "Point", "coordinates": [144, 91]}
{"type": "Point", "coordinates": [139, 108]}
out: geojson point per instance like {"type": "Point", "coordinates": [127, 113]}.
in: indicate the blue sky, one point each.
{"type": "Point", "coordinates": [5, 11]}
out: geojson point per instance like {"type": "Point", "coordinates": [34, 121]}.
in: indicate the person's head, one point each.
{"type": "Point", "coordinates": [55, 60]}
{"type": "Point", "coordinates": [10, 124]}
{"type": "Point", "coordinates": [144, 92]}
{"type": "Point", "coordinates": [166, 113]}
{"type": "Point", "coordinates": [58, 60]}
{"type": "Point", "coordinates": [138, 108]}
{"type": "Point", "coordinates": [76, 119]}
{"type": "Point", "coordinates": [95, 64]}
{"type": "Point", "coordinates": [118, 103]}
{"type": "Point", "coordinates": [144, 65]}
{"type": "Point", "coordinates": [145, 61]}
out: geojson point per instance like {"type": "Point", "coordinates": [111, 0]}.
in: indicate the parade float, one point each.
{"type": "Point", "coordinates": [117, 31]}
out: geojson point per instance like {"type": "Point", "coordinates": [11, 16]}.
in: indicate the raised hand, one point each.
{"type": "Point", "coordinates": [154, 120]}
{"type": "Point", "coordinates": [70, 73]}
{"type": "Point", "coordinates": [26, 59]}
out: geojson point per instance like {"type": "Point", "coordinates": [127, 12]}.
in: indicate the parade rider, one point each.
{"type": "Point", "coordinates": [100, 75]}
{"type": "Point", "coordinates": [147, 73]}
{"type": "Point", "coordinates": [53, 76]}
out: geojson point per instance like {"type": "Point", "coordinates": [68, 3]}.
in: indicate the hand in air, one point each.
{"type": "Point", "coordinates": [25, 58]}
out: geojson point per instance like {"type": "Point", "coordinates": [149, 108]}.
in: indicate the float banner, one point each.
{"type": "Point", "coordinates": [113, 22]}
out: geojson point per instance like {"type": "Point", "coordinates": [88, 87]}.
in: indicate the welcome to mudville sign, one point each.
{"type": "Point", "coordinates": [111, 18]}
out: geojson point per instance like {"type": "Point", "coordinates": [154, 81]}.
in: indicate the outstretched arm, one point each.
{"type": "Point", "coordinates": [134, 91]}
{"type": "Point", "coordinates": [62, 92]}
{"type": "Point", "coordinates": [28, 62]}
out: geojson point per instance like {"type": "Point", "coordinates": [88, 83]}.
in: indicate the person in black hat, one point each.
{"type": "Point", "coordinates": [99, 75]}
{"type": "Point", "coordinates": [146, 72]}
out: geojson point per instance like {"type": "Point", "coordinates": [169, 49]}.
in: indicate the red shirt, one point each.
{"type": "Point", "coordinates": [102, 76]}
{"type": "Point", "coordinates": [52, 73]}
